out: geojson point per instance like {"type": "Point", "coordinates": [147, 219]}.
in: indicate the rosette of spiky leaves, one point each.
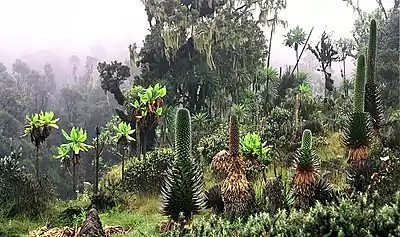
{"type": "Point", "coordinates": [213, 199]}
{"type": "Point", "coordinates": [322, 191]}
{"type": "Point", "coordinates": [251, 147]}
{"type": "Point", "coordinates": [359, 176]}
{"type": "Point", "coordinates": [357, 132]}
{"type": "Point", "coordinates": [48, 122]}
{"type": "Point", "coordinates": [123, 133]}
{"type": "Point", "coordinates": [274, 194]}
{"type": "Point", "coordinates": [183, 184]}
{"type": "Point", "coordinates": [63, 154]}
{"type": "Point", "coordinates": [373, 102]}
{"type": "Point", "coordinates": [77, 139]}
{"type": "Point", "coordinates": [306, 166]}
{"type": "Point", "coordinates": [233, 136]}
{"type": "Point", "coordinates": [236, 189]}
{"type": "Point", "coordinates": [148, 104]}
{"type": "Point", "coordinates": [33, 128]}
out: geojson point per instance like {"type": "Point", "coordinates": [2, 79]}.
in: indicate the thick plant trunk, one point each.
{"type": "Point", "coordinates": [37, 162]}
{"type": "Point", "coordinates": [96, 172]}
{"type": "Point", "coordinates": [344, 77]}
{"type": "Point", "coordinates": [297, 59]}
{"type": "Point", "coordinates": [138, 145]}
{"type": "Point", "coordinates": [74, 180]}
{"type": "Point", "coordinates": [123, 167]}
{"type": "Point", "coordinates": [268, 65]}
{"type": "Point", "coordinates": [144, 149]}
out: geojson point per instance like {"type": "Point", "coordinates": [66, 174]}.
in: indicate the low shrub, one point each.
{"type": "Point", "coordinates": [212, 144]}
{"type": "Point", "coordinates": [350, 218]}
{"type": "Point", "coordinates": [20, 192]}
{"type": "Point", "coordinates": [145, 175]}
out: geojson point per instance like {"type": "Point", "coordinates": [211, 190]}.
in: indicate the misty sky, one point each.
{"type": "Point", "coordinates": [73, 26]}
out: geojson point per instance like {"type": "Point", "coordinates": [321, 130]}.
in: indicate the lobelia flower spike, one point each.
{"type": "Point", "coordinates": [182, 192]}
{"type": "Point", "coordinates": [357, 132]}
{"type": "Point", "coordinates": [373, 102]}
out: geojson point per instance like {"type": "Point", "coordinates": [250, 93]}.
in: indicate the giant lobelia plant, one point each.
{"type": "Point", "coordinates": [357, 133]}
{"type": "Point", "coordinates": [235, 190]}
{"type": "Point", "coordinates": [181, 195]}
{"type": "Point", "coordinates": [306, 166]}
{"type": "Point", "coordinates": [373, 102]}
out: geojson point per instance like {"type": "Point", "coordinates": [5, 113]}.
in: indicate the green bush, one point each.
{"type": "Point", "coordinates": [21, 193]}
{"type": "Point", "coordinates": [278, 129]}
{"type": "Point", "coordinates": [350, 218]}
{"type": "Point", "coordinates": [146, 174]}
{"type": "Point", "coordinates": [211, 145]}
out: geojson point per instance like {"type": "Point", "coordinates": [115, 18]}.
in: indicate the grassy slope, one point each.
{"type": "Point", "coordinates": [140, 215]}
{"type": "Point", "coordinates": [142, 221]}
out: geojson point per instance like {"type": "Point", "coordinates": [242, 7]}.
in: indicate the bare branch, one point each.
{"type": "Point", "coordinates": [382, 8]}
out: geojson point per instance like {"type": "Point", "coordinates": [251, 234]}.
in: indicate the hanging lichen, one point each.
{"type": "Point", "coordinates": [203, 41]}
{"type": "Point", "coordinates": [171, 36]}
{"type": "Point", "coordinates": [222, 31]}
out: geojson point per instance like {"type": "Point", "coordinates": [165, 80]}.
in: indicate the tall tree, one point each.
{"type": "Point", "coordinates": [273, 23]}
{"type": "Point", "coordinates": [345, 48]}
{"type": "Point", "coordinates": [74, 62]}
{"type": "Point", "coordinates": [325, 53]}
{"type": "Point", "coordinates": [198, 52]}
{"type": "Point", "coordinates": [295, 38]}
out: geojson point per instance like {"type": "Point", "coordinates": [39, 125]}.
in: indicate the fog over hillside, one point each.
{"type": "Point", "coordinates": [58, 29]}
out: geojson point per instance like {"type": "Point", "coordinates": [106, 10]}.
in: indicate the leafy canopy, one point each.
{"type": "Point", "coordinates": [77, 139]}
{"type": "Point", "coordinates": [123, 132]}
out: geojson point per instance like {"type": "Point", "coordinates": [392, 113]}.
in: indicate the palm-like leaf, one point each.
{"type": "Point", "coordinates": [33, 127]}
{"type": "Point", "coordinates": [295, 37]}
{"type": "Point", "coordinates": [251, 146]}
{"type": "Point", "coordinates": [63, 154]}
{"type": "Point", "coordinates": [47, 119]}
